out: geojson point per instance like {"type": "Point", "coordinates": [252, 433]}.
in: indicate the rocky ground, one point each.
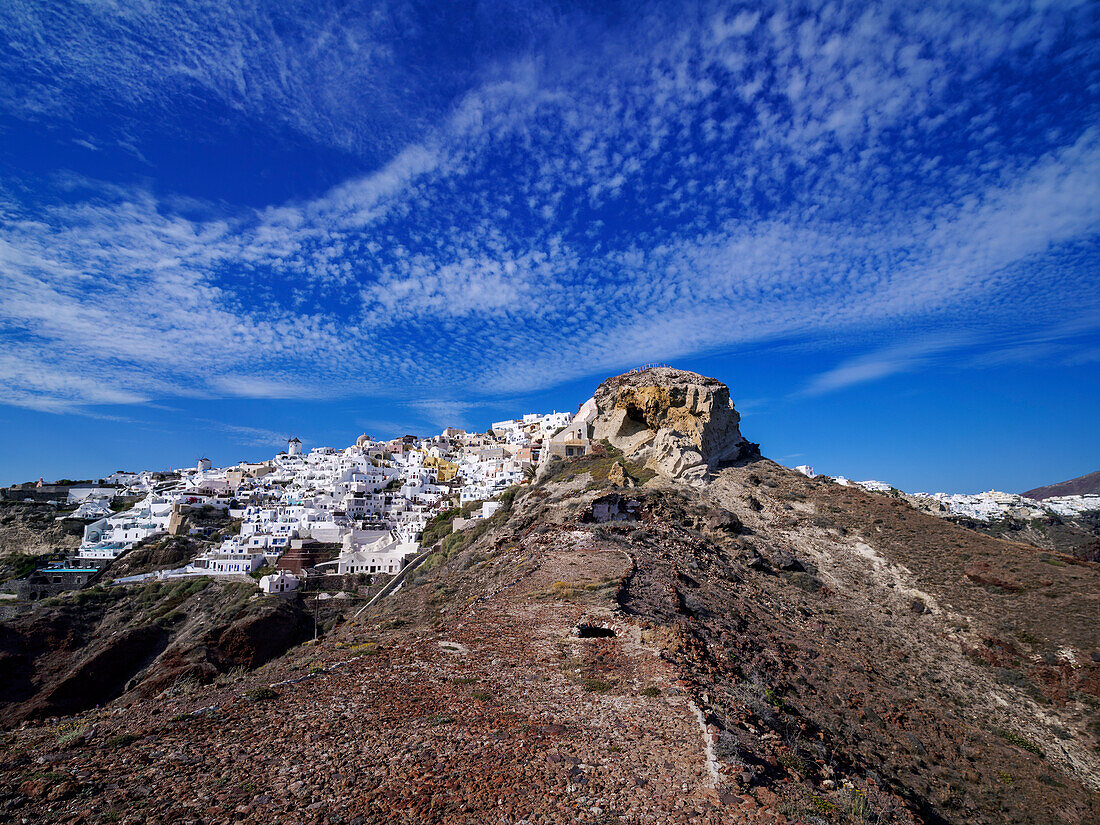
{"type": "Point", "coordinates": [759, 647]}
{"type": "Point", "coordinates": [761, 670]}
{"type": "Point", "coordinates": [157, 553]}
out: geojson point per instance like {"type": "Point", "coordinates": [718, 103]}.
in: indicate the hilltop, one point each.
{"type": "Point", "coordinates": [666, 628]}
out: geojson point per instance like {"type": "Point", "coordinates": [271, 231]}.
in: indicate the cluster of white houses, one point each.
{"type": "Point", "coordinates": [992, 505]}
{"type": "Point", "coordinates": [372, 499]}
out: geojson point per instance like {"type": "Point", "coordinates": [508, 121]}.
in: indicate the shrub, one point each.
{"type": "Point", "coordinates": [728, 749]}
{"type": "Point", "coordinates": [651, 691]}
{"type": "Point", "coordinates": [508, 496]}
{"type": "Point", "coordinates": [481, 696]}
{"type": "Point", "coordinates": [184, 686]}
{"type": "Point", "coordinates": [438, 528]}
{"type": "Point", "coordinates": [793, 762]}
{"type": "Point", "coordinates": [93, 594]}
{"type": "Point", "coordinates": [23, 564]}
{"type": "Point", "coordinates": [596, 686]}
{"type": "Point", "coordinates": [1020, 742]}
{"type": "Point", "coordinates": [823, 805]}
{"type": "Point", "coordinates": [234, 675]}
{"type": "Point", "coordinates": [120, 741]}
{"type": "Point", "coordinates": [261, 694]}
{"type": "Point", "coordinates": [72, 738]}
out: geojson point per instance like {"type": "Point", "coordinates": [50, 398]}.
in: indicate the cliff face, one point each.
{"type": "Point", "coordinates": [34, 529]}
{"type": "Point", "coordinates": [67, 654]}
{"type": "Point", "coordinates": [680, 424]}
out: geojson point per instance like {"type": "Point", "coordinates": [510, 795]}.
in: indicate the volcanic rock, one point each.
{"type": "Point", "coordinates": [680, 424]}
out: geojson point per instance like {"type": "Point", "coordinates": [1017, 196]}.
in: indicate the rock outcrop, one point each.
{"type": "Point", "coordinates": [680, 424]}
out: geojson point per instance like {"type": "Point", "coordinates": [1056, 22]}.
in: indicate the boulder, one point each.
{"type": "Point", "coordinates": [680, 424]}
{"type": "Point", "coordinates": [785, 560]}
{"type": "Point", "coordinates": [723, 521]}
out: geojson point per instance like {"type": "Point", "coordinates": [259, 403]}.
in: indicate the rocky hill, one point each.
{"type": "Point", "coordinates": [670, 629]}
{"type": "Point", "coordinates": [1081, 486]}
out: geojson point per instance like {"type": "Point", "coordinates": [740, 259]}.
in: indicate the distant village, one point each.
{"type": "Point", "coordinates": [989, 506]}
{"type": "Point", "coordinates": [357, 510]}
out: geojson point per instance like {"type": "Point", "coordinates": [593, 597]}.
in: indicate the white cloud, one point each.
{"type": "Point", "coordinates": [873, 366]}
{"type": "Point", "coordinates": [588, 206]}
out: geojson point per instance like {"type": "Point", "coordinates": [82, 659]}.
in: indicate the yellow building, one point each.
{"type": "Point", "coordinates": [446, 470]}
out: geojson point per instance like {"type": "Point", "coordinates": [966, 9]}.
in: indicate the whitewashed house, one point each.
{"type": "Point", "coordinates": [108, 538]}
{"type": "Point", "coordinates": [221, 563]}
{"type": "Point", "coordinates": [373, 551]}
{"type": "Point", "coordinates": [280, 583]}
{"type": "Point", "coordinates": [93, 508]}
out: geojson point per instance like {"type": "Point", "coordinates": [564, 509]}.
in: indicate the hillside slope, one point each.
{"type": "Point", "coordinates": [752, 646]}
{"type": "Point", "coordinates": [1083, 485]}
{"type": "Point", "coordinates": [72, 652]}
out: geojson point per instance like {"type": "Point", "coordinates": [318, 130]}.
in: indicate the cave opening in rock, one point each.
{"type": "Point", "coordinates": [594, 631]}
{"type": "Point", "coordinates": [636, 416]}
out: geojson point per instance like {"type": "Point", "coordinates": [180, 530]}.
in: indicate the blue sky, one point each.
{"type": "Point", "coordinates": [223, 223]}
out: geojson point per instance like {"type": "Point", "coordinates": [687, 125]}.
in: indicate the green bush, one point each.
{"type": "Point", "coordinates": [793, 762]}
{"type": "Point", "coordinates": [262, 694]}
{"type": "Point", "coordinates": [23, 564]}
{"type": "Point", "coordinates": [93, 594]}
{"type": "Point", "coordinates": [596, 686]}
{"type": "Point", "coordinates": [1019, 741]}
{"type": "Point", "coordinates": [438, 528]}
{"type": "Point", "coordinates": [72, 737]}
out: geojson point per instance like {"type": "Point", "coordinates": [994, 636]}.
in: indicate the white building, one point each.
{"type": "Point", "coordinates": [873, 486]}
{"type": "Point", "coordinates": [93, 508]}
{"type": "Point", "coordinates": [1071, 505]}
{"type": "Point", "coordinates": [108, 538]}
{"type": "Point", "coordinates": [81, 493]}
{"type": "Point", "coordinates": [221, 563]}
{"type": "Point", "coordinates": [279, 583]}
{"type": "Point", "coordinates": [373, 551]}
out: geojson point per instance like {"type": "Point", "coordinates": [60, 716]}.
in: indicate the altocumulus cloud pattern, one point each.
{"type": "Point", "coordinates": [324, 197]}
